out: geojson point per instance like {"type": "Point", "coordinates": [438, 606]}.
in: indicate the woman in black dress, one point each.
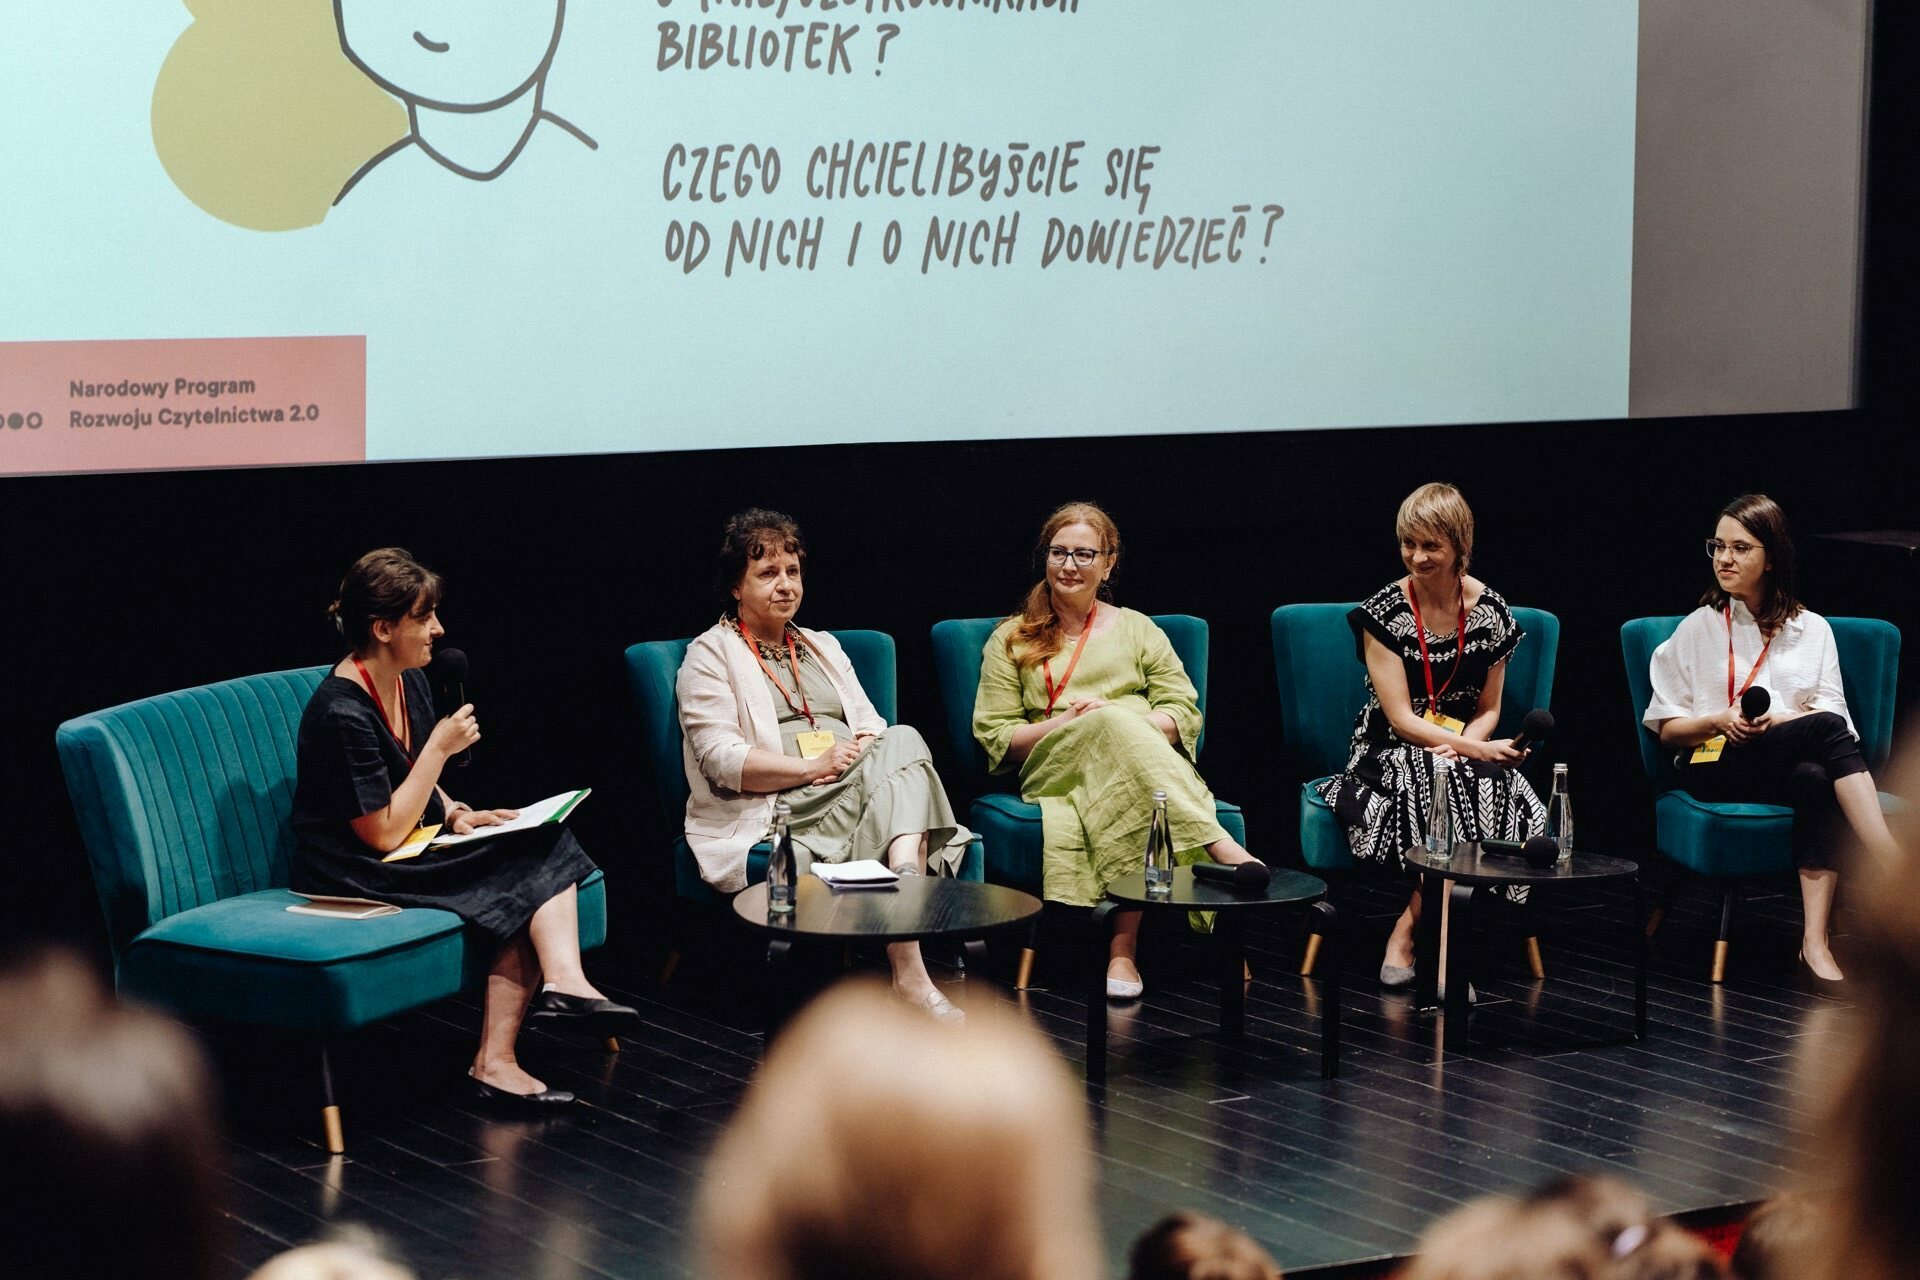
{"type": "Point", "coordinates": [1435, 644]}
{"type": "Point", "coordinates": [369, 758]}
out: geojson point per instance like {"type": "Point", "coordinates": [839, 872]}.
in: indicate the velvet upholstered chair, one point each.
{"type": "Point", "coordinates": [1322, 688]}
{"type": "Point", "coordinates": [1009, 825]}
{"type": "Point", "coordinates": [653, 667]}
{"type": "Point", "coordinates": [1731, 843]}
{"type": "Point", "coordinates": [183, 802]}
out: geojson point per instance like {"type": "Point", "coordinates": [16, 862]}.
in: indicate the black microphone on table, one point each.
{"type": "Point", "coordinates": [1241, 877]}
{"type": "Point", "coordinates": [447, 674]}
{"type": "Point", "coordinates": [1536, 728]}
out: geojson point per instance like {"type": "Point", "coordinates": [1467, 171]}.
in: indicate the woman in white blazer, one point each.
{"type": "Point", "coordinates": [770, 710]}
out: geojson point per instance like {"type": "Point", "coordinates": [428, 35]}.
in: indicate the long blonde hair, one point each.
{"type": "Point", "coordinates": [878, 1143]}
{"type": "Point", "coordinates": [1036, 635]}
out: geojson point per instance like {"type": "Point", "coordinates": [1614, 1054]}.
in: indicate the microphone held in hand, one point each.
{"type": "Point", "coordinates": [1755, 702]}
{"type": "Point", "coordinates": [1241, 877]}
{"type": "Point", "coordinates": [447, 676]}
{"type": "Point", "coordinates": [1535, 729]}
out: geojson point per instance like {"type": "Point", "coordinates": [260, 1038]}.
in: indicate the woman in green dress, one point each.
{"type": "Point", "coordinates": [1090, 703]}
{"type": "Point", "coordinates": [773, 711]}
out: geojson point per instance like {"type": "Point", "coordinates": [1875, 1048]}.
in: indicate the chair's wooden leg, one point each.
{"type": "Point", "coordinates": [1726, 934]}
{"type": "Point", "coordinates": [329, 1109]}
{"type": "Point", "coordinates": [1025, 973]}
{"type": "Point", "coordinates": [613, 1044]}
{"type": "Point", "coordinates": [1669, 887]}
{"type": "Point", "coordinates": [1246, 972]}
{"type": "Point", "coordinates": [1312, 957]}
{"type": "Point", "coordinates": [1654, 920]}
{"type": "Point", "coordinates": [1534, 963]}
{"type": "Point", "coordinates": [667, 969]}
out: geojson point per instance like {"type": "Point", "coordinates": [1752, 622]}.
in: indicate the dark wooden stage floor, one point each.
{"type": "Point", "coordinates": [1322, 1172]}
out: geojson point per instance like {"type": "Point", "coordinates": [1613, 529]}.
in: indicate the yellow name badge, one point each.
{"type": "Point", "coordinates": [416, 844]}
{"type": "Point", "coordinates": [1445, 722]}
{"type": "Point", "coordinates": [814, 744]}
{"type": "Point", "coordinates": [1709, 751]}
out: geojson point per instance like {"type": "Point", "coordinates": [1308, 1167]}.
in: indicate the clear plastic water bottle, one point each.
{"type": "Point", "coordinates": [1560, 813]}
{"type": "Point", "coordinates": [1440, 835]}
{"type": "Point", "coordinates": [781, 868]}
{"type": "Point", "coordinates": [1159, 850]}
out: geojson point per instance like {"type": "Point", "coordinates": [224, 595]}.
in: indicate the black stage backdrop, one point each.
{"type": "Point", "coordinates": [120, 587]}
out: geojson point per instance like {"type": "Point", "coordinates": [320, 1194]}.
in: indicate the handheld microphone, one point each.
{"type": "Point", "coordinates": [1755, 702]}
{"type": "Point", "coordinates": [1541, 851]}
{"type": "Point", "coordinates": [1537, 727]}
{"type": "Point", "coordinates": [447, 674]}
{"type": "Point", "coordinates": [1241, 877]}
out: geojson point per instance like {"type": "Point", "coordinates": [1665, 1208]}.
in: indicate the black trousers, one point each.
{"type": "Point", "coordinates": [1794, 763]}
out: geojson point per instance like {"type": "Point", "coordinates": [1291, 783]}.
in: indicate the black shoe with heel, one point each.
{"type": "Point", "coordinates": [1831, 988]}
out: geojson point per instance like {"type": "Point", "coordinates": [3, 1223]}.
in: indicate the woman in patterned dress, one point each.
{"type": "Point", "coordinates": [1089, 703]}
{"type": "Point", "coordinates": [1435, 644]}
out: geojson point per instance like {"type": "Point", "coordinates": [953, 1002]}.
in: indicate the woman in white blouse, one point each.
{"type": "Point", "coordinates": [1750, 631]}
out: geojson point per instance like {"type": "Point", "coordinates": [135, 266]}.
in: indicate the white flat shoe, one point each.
{"type": "Point", "coordinates": [937, 1007]}
{"type": "Point", "coordinates": [1121, 989]}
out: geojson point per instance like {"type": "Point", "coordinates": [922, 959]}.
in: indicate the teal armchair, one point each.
{"type": "Point", "coordinates": [653, 667]}
{"type": "Point", "coordinates": [1322, 689]}
{"type": "Point", "coordinates": [1009, 826]}
{"type": "Point", "coordinates": [183, 802]}
{"type": "Point", "coordinates": [1734, 842]}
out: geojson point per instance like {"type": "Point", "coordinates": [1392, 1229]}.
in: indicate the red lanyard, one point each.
{"type": "Point", "coordinates": [1046, 664]}
{"type": "Point", "coordinates": [1459, 639]}
{"type": "Point", "coordinates": [404, 736]}
{"type": "Point", "coordinates": [804, 709]}
{"type": "Point", "coordinates": [1731, 695]}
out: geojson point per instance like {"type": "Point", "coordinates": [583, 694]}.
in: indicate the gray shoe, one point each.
{"type": "Point", "coordinates": [1396, 977]}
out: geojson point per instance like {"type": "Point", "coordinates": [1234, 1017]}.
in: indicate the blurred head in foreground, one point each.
{"type": "Point", "coordinates": [878, 1145]}
{"type": "Point", "coordinates": [1192, 1246]}
{"type": "Point", "coordinates": [1865, 1079]}
{"type": "Point", "coordinates": [353, 1253]}
{"type": "Point", "coordinates": [1574, 1228]}
{"type": "Point", "coordinates": [106, 1125]}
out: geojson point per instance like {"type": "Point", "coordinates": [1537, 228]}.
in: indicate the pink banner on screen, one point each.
{"type": "Point", "coordinates": [155, 404]}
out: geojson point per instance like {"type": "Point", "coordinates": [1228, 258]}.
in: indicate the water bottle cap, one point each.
{"type": "Point", "coordinates": [1159, 797]}
{"type": "Point", "coordinates": [1559, 768]}
{"type": "Point", "coordinates": [781, 809]}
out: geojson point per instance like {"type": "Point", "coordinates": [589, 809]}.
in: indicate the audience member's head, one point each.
{"type": "Point", "coordinates": [353, 1253]}
{"type": "Point", "coordinates": [106, 1126]}
{"type": "Point", "coordinates": [1865, 1078]}
{"type": "Point", "coordinates": [1192, 1246]}
{"type": "Point", "coordinates": [876, 1143]}
{"type": "Point", "coordinates": [1775, 1243]}
{"type": "Point", "coordinates": [1571, 1229]}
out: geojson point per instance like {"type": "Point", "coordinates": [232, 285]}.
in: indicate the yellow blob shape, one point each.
{"type": "Point", "coordinates": [260, 119]}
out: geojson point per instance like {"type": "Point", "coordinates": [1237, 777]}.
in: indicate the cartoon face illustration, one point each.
{"type": "Point", "coordinates": [456, 54]}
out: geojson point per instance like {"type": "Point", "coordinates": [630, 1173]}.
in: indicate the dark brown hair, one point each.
{"type": "Point", "coordinates": [106, 1118]}
{"type": "Point", "coordinates": [383, 586]}
{"type": "Point", "coordinates": [1762, 517]}
{"type": "Point", "coordinates": [752, 535]}
{"type": "Point", "coordinates": [1036, 635]}
{"type": "Point", "coordinates": [1192, 1246]}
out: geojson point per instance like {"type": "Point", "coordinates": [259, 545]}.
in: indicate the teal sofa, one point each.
{"type": "Point", "coordinates": [183, 802]}
{"type": "Point", "coordinates": [1731, 843]}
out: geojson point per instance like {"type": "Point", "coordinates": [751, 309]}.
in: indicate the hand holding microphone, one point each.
{"type": "Point", "coordinates": [1536, 728]}
{"type": "Point", "coordinates": [1753, 707]}
{"type": "Point", "coordinates": [447, 675]}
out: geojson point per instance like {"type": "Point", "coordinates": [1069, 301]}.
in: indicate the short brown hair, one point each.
{"type": "Point", "coordinates": [385, 585]}
{"type": "Point", "coordinates": [876, 1144]}
{"type": "Point", "coordinates": [1192, 1246]}
{"type": "Point", "coordinates": [106, 1118]}
{"type": "Point", "coordinates": [1438, 508]}
{"type": "Point", "coordinates": [752, 535]}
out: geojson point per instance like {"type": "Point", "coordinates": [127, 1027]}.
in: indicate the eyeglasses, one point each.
{"type": "Point", "coordinates": [1741, 550]}
{"type": "Point", "coordinates": [1082, 557]}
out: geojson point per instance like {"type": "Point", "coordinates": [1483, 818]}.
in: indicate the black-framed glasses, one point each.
{"type": "Point", "coordinates": [1741, 550]}
{"type": "Point", "coordinates": [1082, 557]}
